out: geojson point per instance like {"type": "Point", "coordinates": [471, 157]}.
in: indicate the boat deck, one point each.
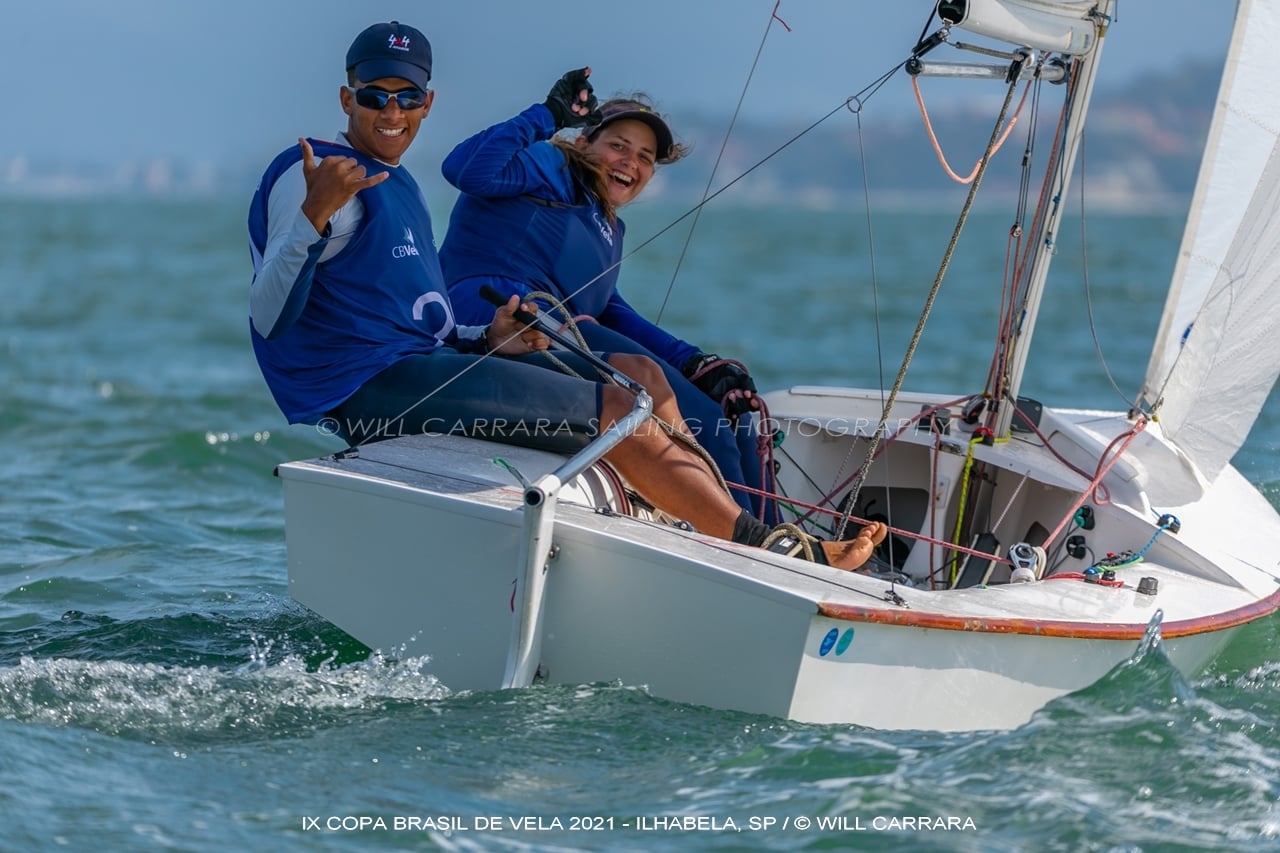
{"type": "Point", "coordinates": [412, 467]}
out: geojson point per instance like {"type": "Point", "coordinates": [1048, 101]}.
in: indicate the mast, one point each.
{"type": "Point", "coordinates": [1019, 344]}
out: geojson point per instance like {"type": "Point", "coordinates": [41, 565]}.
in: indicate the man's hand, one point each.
{"type": "Point", "coordinates": [571, 100]}
{"type": "Point", "coordinates": [331, 183]}
{"type": "Point", "coordinates": [508, 336]}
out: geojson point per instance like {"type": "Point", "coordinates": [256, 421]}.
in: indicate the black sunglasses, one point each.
{"type": "Point", "coordinates": [377, 99]}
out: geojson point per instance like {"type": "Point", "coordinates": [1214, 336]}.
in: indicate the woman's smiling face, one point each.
{"type": "Point", "coordinates": [628, 150]}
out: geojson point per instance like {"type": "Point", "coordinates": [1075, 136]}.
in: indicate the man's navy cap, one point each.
{"type": "Point", "coordinates": [391, 50]}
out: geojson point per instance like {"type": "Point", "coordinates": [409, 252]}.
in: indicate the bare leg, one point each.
{"type": "Point", "coordinates": [662, 469]}
{"type": "Point", "coordinates": [678, 481]}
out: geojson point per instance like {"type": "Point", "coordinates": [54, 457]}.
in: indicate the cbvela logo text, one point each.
{"type": "Point", "coordinates": [606, 230]}
{"type": "Point", "coordinates": [406, 248]}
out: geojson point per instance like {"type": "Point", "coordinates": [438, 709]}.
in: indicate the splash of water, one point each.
{"type": "Point", "coordinates": [155, 701]}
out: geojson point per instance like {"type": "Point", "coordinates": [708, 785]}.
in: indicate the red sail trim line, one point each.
{"type": "Point", "coordinates": [1052, 628]}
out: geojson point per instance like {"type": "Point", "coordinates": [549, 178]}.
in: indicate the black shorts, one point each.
{"type": "Point", "coordinates": [527, 401]}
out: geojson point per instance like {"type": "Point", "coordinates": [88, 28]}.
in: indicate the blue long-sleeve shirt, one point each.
{"type": "Point", "coordinates": [525, 223]}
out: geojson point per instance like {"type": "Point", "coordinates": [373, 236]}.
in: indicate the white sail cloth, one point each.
{"type": "Point", "coordinates": [1217, 354]}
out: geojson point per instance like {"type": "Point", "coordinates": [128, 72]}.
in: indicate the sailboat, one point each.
{"type": "Point", "coordinates": [1033, 548]}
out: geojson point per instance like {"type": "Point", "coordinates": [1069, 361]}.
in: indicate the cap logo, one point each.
{"type": "Point", "coordinates": [398, 43]}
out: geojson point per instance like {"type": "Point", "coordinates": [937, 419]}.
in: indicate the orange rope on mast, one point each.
{"type": "Point", "coordinates": [942, 158]}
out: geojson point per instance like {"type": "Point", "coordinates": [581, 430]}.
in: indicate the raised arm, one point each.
{"type": "Point", "coordinates": [504, 160]}
{"type": "Point", "coordinates": [307, 204]}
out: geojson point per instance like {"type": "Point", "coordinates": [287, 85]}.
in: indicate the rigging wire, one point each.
{"type": "Point", "coordinates": [846, 512]}
{"type": "Point", "coordinates": [1088, 290]}
{"type": "Point", "coordinates": [928, 22]}
{"type": "Point", "coordinates": [724, 144]}
{"type": "Point", "coordinates": [1055, 170]}
{"type": "Point", "coordinates": [1017, 252]}
{"type": "Point", "coordinates": [875, 311]}
{"type": "Point", "coordinates": [928, 306]}
{"type": "Point", "coordinates": [671, 430]}
{"type": "Point", "coordinates": [875, 281]}
{"type": "Point", "coordinates": [870, 89]}
{"type": "Point", "coordinates": [860, 98]}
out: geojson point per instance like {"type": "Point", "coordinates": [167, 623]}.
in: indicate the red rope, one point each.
{"type": "Point", "coordinates": [774, 15]}
{"type": "Point", "coordinates": [830, 496]}
{"type": "Point", "coordinates": [1102, 472]}
{"type": "Point", "coordinates": [1078, 576]}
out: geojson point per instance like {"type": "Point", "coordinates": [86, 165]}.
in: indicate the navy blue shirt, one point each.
{"type": "Point", "coordinates": [381, 299]}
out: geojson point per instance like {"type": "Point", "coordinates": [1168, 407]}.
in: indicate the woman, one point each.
{"type": "Point", "coordinates": [538, 213]}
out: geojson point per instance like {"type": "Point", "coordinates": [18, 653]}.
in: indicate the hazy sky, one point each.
{"type": "Point", "coordinates": [106, 80]}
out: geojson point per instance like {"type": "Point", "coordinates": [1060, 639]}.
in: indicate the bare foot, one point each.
{"type": "Point", "coordinates": [852, 553]}
{"type": "Point", "coordinates": [878, 530]}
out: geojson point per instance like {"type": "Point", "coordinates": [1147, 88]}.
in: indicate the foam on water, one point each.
{"type": "Point", "coordinates": [147, 700]}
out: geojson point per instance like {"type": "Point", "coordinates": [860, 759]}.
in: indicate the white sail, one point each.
{"type": "Point", "coordinates": [1216, 356]}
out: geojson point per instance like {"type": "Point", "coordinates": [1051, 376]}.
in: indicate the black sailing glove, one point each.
{"type": "Point", "coordinates": [727, 382]}
{"type": "Point", "coordinates": [572, 102]}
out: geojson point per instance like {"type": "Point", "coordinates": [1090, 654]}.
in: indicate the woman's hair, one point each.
{"type": "Point", "coordinates": [592, 173]}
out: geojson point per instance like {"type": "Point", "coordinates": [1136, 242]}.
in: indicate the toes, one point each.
{"type": "Point", "coordinates": [849, 555]}
{"type": "Point", "coordinates": [854, 553]}
{"type": "Point", "coordinates": [879, 531]}
{"type": "Point", "coordinates": [874, 531]}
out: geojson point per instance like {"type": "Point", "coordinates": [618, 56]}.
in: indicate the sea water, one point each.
{"type": "Point", "coordinates": [159, 690]}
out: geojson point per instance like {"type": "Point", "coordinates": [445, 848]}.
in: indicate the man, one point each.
{"type": "Point", "coordinates": [352, 326]}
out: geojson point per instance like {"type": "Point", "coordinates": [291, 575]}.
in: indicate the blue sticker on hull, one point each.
{"type": "Point", "coordinates": [827, 642]}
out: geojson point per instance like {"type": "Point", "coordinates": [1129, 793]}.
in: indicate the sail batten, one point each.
{"type": "Point", "coordinates": [1216, 357]}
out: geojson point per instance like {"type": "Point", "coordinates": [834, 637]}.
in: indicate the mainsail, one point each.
{"type": "Point", "coordinates": [1217, 354]}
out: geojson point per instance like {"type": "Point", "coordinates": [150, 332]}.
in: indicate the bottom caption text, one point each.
{"type": "Point", "coordinates": [632, 823]}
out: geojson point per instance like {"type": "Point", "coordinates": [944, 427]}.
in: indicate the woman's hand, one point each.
{"type": "Point", "coordinates": [723, 380]}
{"type": "Point", "coordinates": [571, 100]}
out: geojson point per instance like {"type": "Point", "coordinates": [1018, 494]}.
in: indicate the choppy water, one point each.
{"type": "Point", "coordinates": [158, 689]}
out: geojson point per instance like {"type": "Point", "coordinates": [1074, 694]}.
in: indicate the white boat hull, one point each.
{"type": "Point", "coordinates": [411, 548]}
